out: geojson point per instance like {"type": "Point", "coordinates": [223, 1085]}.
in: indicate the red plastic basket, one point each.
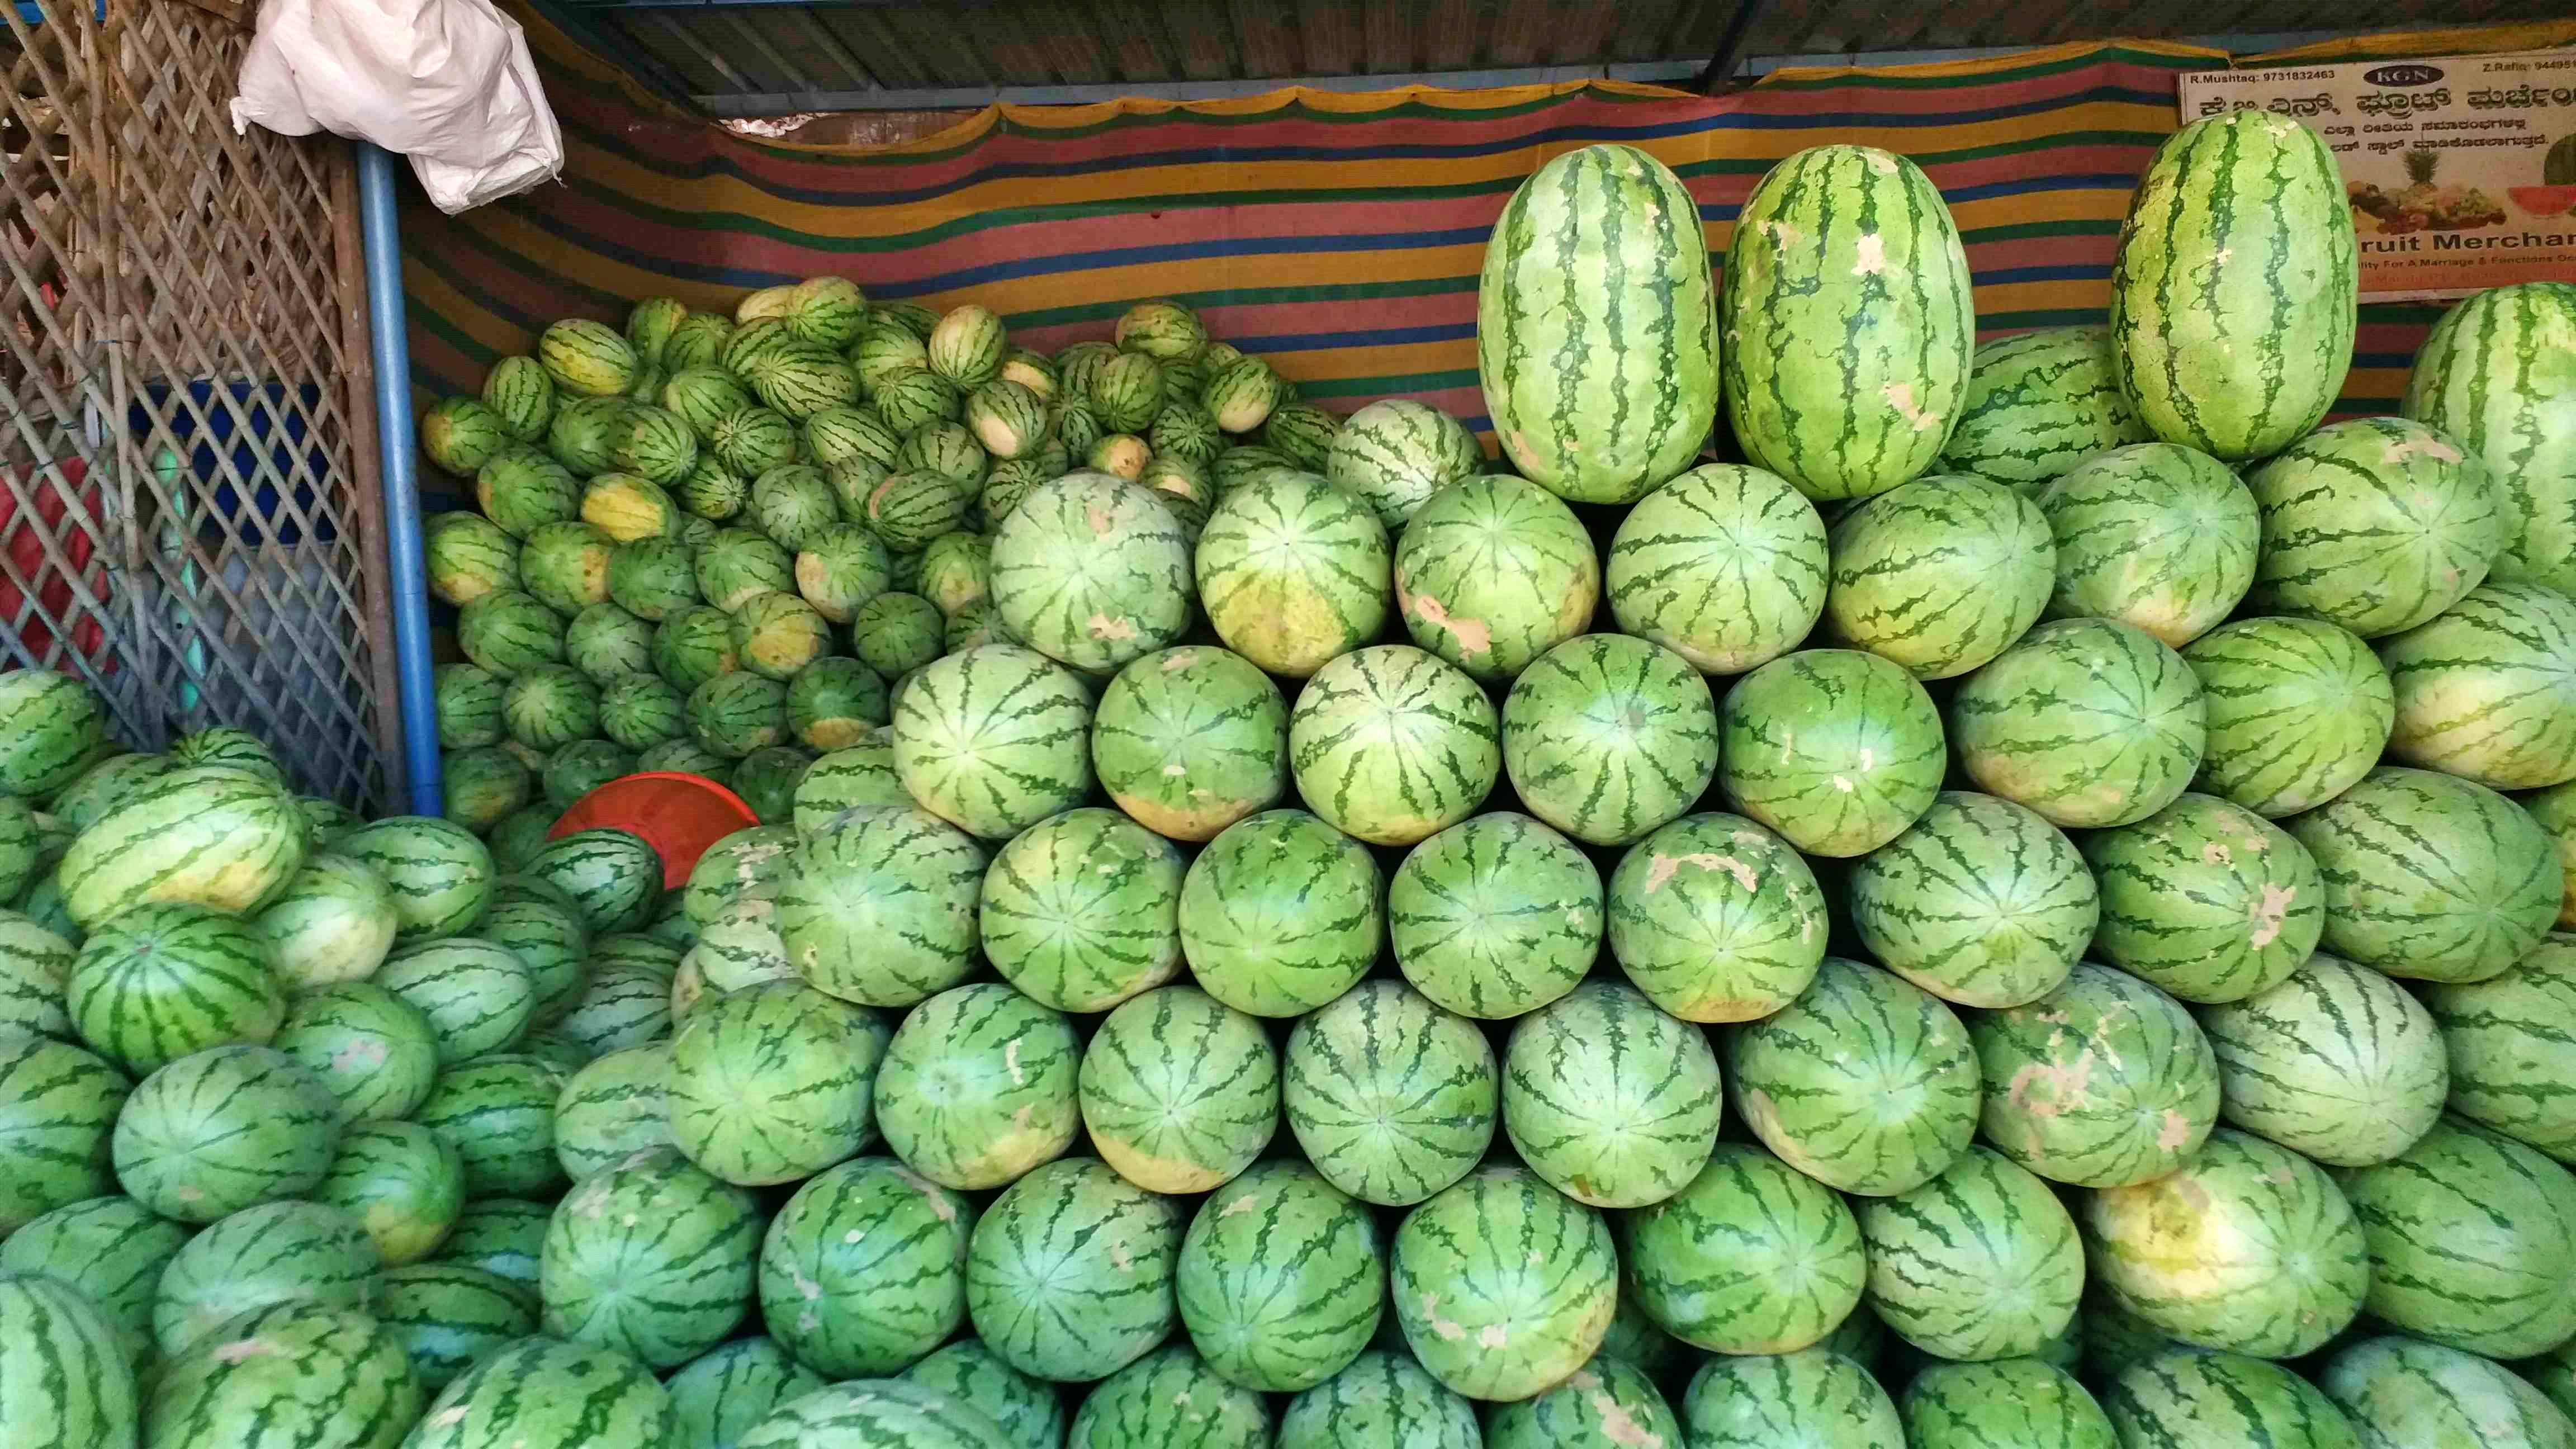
{"type": "Point", "coordinates": [678, 814]}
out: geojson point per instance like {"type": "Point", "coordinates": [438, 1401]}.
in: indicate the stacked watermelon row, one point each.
{"type": "Point", "coordinates": [1526, 1024]}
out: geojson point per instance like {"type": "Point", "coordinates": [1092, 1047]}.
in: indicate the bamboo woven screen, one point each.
{"type": "Point", "coordinates": [189, 515]}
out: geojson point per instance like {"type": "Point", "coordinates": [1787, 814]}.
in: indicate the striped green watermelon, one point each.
{"type": "Point", "coordinates": [740, 564]}
{"type": "Point", "coordinates": [977, 1087]}
{"type": "Point", "coordinates": [1606, 1404]}
{"type": "Point", "coordinates": [1183, 432]}
{"type": "Point", "coordinates": [1092, 572]}
{"type": "Point", "coordinates": [967, 346]}
{"type": "Point", "coordinates": [1241, 393]}
{"type": "Point", "coordinates": [908, 510]}
{"type": "Point", "coordinates": [1190, 740]}
{"type": "Point", "coordinates": [886, 348]}
{"type": "Point", "coordinates": [498, 1112]}
{"type": "Point", "coordinates": [2472, 1239]}
{"type": "Point", "coordinates": [751, 442]}
{"type": "Point", "coordinates": [516, 840]}
{"type": "Point", "coordinates": [281, 1252]}
{"type": "Point", "coordinates": [2206, 899]}
{"type": "Point", "coordinates": [1865, 1083]}
{"type": "Point", "coordinates": [548, 936]}
{"type": "Point", "coordinates": [896, 633]}
{"type": "Point", "coordinates": [1503, 1286]}
{"type": "Point", "coordinates": [401, 1182]}
{"type": "Point", "coordinates": [873, 1411]}
{"type": "Point", "coordinates": [555, 1047]}
{"type": "Point", "coordinates": [1812, 1397]}
{"type": "Point", "coordinates": [1492, 572]}
{"type": "Point", "coordinates": [843, 566]}
{"type": "Point", "coordinates": [30, 843]}
{"type": "Point", "coordinates": [1837, 750]}
{"type": "Point", "coordinates": [2015, 1401]}
{"type": "Point", "coordinates": [2298, 711]}
{"type": "Point", "coordinates": [1394, 454]}
{"type": "Point", "coordinates": [773, 1084]}
{"type": "Point", "coordinates": [506, 631]}
{"type": "Point", "coordinates": [1383, 1399]}
{"type": "Point", "coordinates": [1009, 420]}
{"type": "Point", "coordinates": [1010, 482]}
{"type": "Point", "coordinates": [652, 1257]}
{"type": "Point", "coordinates": [2556, 1376]}
{"type": "Point", "coordinates": [695, 341]}
{"type": "Point", "coordinates": [1179, 1091]}
{"type": "Point", "coordinates": [1610, 1100]}
{"type": "Point", "coordinates": [69, 1386]}
{"type": "Point", "coordinates": [1393, 745]}
{"type": "Point", "coordinates": [223, 1130]}
{"type": "Point", "coordinates": [2153, 535]}
{"type": "Point", "coordinates": [612, 877]}
{"type": "Point", "coordinates": [800, 379]}
{"type": "Point", "coordinates": [2115, 1340]}
{"type": "Point", "coordinates": [1391, 1098]}
{"type": "Point", "coordinates": [720, 1395]}
{"type": "Point", "coordinates": [439, 874]}
{"type": "Point", "coordinates": [777, 634]}
{"type": "Point", "coordinates": [651, 578]}
{"type": "Point", "coordinates": [703, 397]}
{"type": "Point", "coordinates": [2481, 692]}
{"type": "Point", "coordinates": [912, 400]}
{"type": "Point", "coordinates": [586, 358]}
{"type": "Point", "coordinates": [58, 1106]}
{"type": "Point", "coordinates": [879, 907]}
{"type": "Point", "coordinates": [34, 965]}
{"type": "Point", "coordinates": [373, 1052]}
{"type": "Point", "coordinates": [956, 572]}
{"type": "Point", "coordinates": [734, 714]}
{"type": "Point", "coordinates": [625, 1003]}
{"type": "Point", "coordinates": [2248, 1247]}
{"type": "Point", "coordinates": [1851, 247]}
{"type": "Point", "coordinates": [1161, 329]}
{"type": "Point", "coordinates": [1025, 1409]}
{"type": "Point", "coordinates": [2087, 721]}
{"type": "Point", "coordinates": [1128, 392]}
{"type": "Point", "coordinates": [2480, 378]}
{"type": "Point", "coordinates": [1293, 571]}
{"type": "Point", "coordinates": [837, 436]}
{"type": "Point", "coordinates": [2377, 524]}
{"type": "Point", "coordinates": [581, 767]}
{"type": "Point", "coordinates": [460, 435]}
{"type": "Point", "coordinates": [2431, 877]}
{"type": "Point", "coordinates": [1069, 1273]}
{"type": "Point", "coordinates": [2232, 295]}
{"type": "Point", "coordinates": [1596, 337]}
{"type": "Point", "coordinates": [240, 749]}
{"type": "Point", "coordinates": [1980, 902]}
{"type": "Point", "coordinates": [2194, 1397]}
{"type": "Point", "coordinates": [477, 996]}
{"type": "Point", "coordinates": [2511, 1044]}
{"type": "Point", "coordinates": [746, 863]}
{"type": "Point", "coordinates": [1751, 1256]}
{"type": "Point", "coordinates": [649, 325]}
{"type": "Point", "coordinates": [1279, 1283]}
{"type": "Point", "coordinates": [1243, 463]}
{"type": "Point", "coordinates": [532, 486]}
{"type": "Point", "coordinates": [1715, 919]}
{"type": "Point", "coordinates": [480, 787]}
{"type": "Point", "coordinates": [100, 786]}
{"type": "Point", "coordinates": [1081, 911]}
{"type": "Point", "coordinates": [549, 706]}
{"type": "Point", "coordinates": [468, 699]}
{"type": "Point", "coordinates": [861, 776]}
{"type": "Point", "coordinates": [658, 446]}
{"type": "Point", "coordinates": [1280, 914]}
{"type": "Point", "coordinates": [864, 1270]}
{"type": "Point", "coordinates": [1724, 565]}
{"type": "Point", "coordinates": [1608, 738]}
{"type": "Point", "coordinates": [468, 556]}
{"type": "Point", "coordinates": [2104, 1082]}
{"type": "Point", "coordinates": [835, 703]}
{"type": "Point", "coordinates": [693, 645]}
{"type": "Point", "coordinates": [2402, 1394]}
{"type": "Point", "coordinates": [108, 1249]}
{"type": "Point", "coordinates": [503, 1236]}
{"type": "Point", "coordinates": [161, 981]}
{"type": "Point", "coordinates": [828, 310]}
{"type": "Point", "coordinates": [995, 739]}
{"type": "Point", "coordinates": [445, 1317]}
{"type": "Point", "coordinates": [611, 1108]}
{"type": "Point", "coordinates": [521, 396]}
{"type": "Point", "coordinates": [218, 837]}
{"type": "Point", "coordinates": [1981, 1262]}
{"type": "Point", "coordinates": [1495, 916]}
{"type": "Point", "coordinates": [2336, 1062]}
{"type": "Point", "coordinates": [1939, 575]}
{"type": "Point", "coordinates": [2039, 404]}
{"type": "Point", "coordinates": [51, 729]}
{"type": "Point", "coordinates": [545, 1393]}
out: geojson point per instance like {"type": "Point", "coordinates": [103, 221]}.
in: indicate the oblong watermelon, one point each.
{"type": "Point", "coordinates": [1864, 1082]}
{"type": "Point", "coordinates": [2377, 524]}
{"type": "Point", "coordinates": [2192, 1396]}
{"type": "Point", "coordinates": [1980, 1262]}
{"type": "Point", "coordinates": [2338, 1062]}
{"type": "Point", "coordinates": [2104, 1082]}
{"type": "Point", "coordinates": [2398, 1391]}
{"type": "Point", "coordinates": [1752, 1256]}
{"type": "Point", "coordinates": [2206, 899]}
{"type": "Point", "coordinates": [1940, 574]}
{"type": "Point", "coordinates": [584, 1398]}
{"type": "Point", "coordinates": [2478, 378]}
{"type": "Point", "coordinates": [2431, 877]}
{"type": "Point", "coordinates": [65, 1371]}
{"type": "Point", "coordinates": [2038, 404]}
{"type": "Point", "coordinates": [287, 1376]}
{"type": "Point", "coordinates": [219, 837]}
{"type": "Point", "coordinates": [2511, 1045]}
{"type": "Point", "coordinates": [2020, 1401]}
{"type": "Point", "coordinates": [2298, 711]}
{"type": "Point", "coordinates": [1981, 902]}
{"type": "Point", "coordinates": [2090, 722]}
{"type": "Point", "coordinates": [2482, 690]}
{"type": "Point", "coordinates": [2472, 1238]}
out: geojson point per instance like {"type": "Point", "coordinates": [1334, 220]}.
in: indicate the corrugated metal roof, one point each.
{"type": "Point", "coordinates": [772, 57]}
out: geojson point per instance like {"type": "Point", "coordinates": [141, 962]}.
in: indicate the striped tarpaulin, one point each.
{"type": "Point", "coordinates": [1338, 235]}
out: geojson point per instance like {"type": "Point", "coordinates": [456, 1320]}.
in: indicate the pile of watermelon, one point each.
{"type": "Point", "coordinates": [2021, 912]}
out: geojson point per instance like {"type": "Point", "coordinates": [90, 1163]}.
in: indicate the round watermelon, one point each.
{"type": "Point", "coordinates": [2472, 1238]}
{"type": "Point", "coordinates": [773, 1084]}
{"type": "Point", "coordinates": [2154, 535]}
{"type": "Point", "coordinates": [1170, 1396]}
{"type": "Point", "coordinates": [468, 556]}
{"type": "Point", "coordinates": [1608, 738]}
{"type": "Point", "coordinates": [1864, 1083]}
{"type": "Point", "coordinates": [2430, 876]}
{"type": "Point", "coordinates": [995, 739]}
{"type": "Point", "coordinates": [1394, 454]}
{"type": "Point", "coordinates": [1293, 572]}
{"type": "Point", "coordinates": [280, 1252]}
{"type": "Point", "coordinates": [1716, 919]}
{"type": "Point", "coordinates": [896, 633]}
{"type": "Point", "coordinates": [1837, 750]}
{"type": "Point", "coordinates": [613, 877]}
{"type": "Point", "coordinates": [372, 1051]}
{"type": "Point", "coordinates": [2194, 1397]}
{"type": "Point", "coordinates": [1383, 1398]}
{"type": "Point", "coordinates": [1026, 1410]}
{"type": "Point", "coordinates": [445, 1317]}
{"type": "Point", "coordinates": [2511, 1045]}
{"type": "Point", "coordinates": [2298, 711]}
{"type": "Point", "coordinates": [2087, 721]}
{"type": "Point", "coordinates": [34, 965]}
{"type": "Point", "coordinates": [1980, 902]}
{"type": "Point", "coordinates": [108, 1249]}
{"type": "Point", "coordinates": [2336, 1062]}
{"type": "Point", "coordinates": [1503, 1286]}
{"type": "Point", "coordinates": [469, 717]}
{"type": "Point", "coordinates": [546, 1393]}
{"type": "Point", "coordinates": [864, 1270]}
{"type": "Point", "coordinates": [835, 703]}
{"type": "Point", "coordinates": [872, 1411]}
{"type": "Point", "coordinates": [1092, 572]}
{"type": "Point", "coordinates": [1752, 1256]}
{"type": "Point", "coordinates": [652, 1257]}
{"type": "Point", "coordinates": [1980, 1262]}
{"type": "Point", "coordinates": [498, 1112]}
{"type": "Point", "coordinates": [507, 633]}
{"type": "Point", "coordinates": [2376, 524]}
{"type": "Point", "coordinates": [1280, 914]}
{"type": "Point", "coordinates": [1493, 572]}
{"type": "Point", "coordinates": [334, 922]}
{"type": "Point", "coordinates": [1495, 916]}
{"type": "Point", "coordinates": [70, 1383]}
{"type": "Point", "coordinates": [721, 1394]}
{"type": "Point", "coordinates": [1391, 1098]}
{"type": "Point", "coordinates": [287, 1376]}
{"type": "Point", "coordinates": [401, 1182]}
{"type": "Point", "coordinates": [222, 1130]}
{"type": "Point", "coordinates": [1814, 1396]}
{"type": "Point", "coordinates": [1392, 745]}
{"type": "Point", "coordinates": [2482, 690]}
{"type": "Point", "coordinates": [734, 714]}
{"type": "Point", "coordinates": [611, 1108]}
{"type": "Point", "coordinates": [1610, 1100]}
{"type": "Point", "coordinates": [161, 981]}
{"type": "Point", "coordinates": [439, 874]}
{"type": "Point", "coordinates": [2206, 899]}
{"type": "Point", "coordinates": [738, 565]}
{"type": "Point", "coordinates": [52, 725]}
{"type": "Point", "coordinates": [693, 645]}
{"type": "Point", "coordinates": [2020, 1401]}
{"type": "Point", "coordinates": [1724, 565]}
{"type": "Point", "coordinates": [1190, 740]}
{"type": "Point", "coordinates": [476, 996]}
{"type": "Point", "coordinates": [1940, 574]}
{"type": "Point", "coordinates": [1178, 1090]}
{"type": "Point", "coordinates": [977, 1087]}
{"type": "Point", "coordinates": [2104, 1082]}
{"type": "Point", "coordinates": [1069, 1272]}
{"type": "Point", "coordinates": [1082, 911]}
{"type": "Point", "coordinates": [2399, 1392]}
{"type": "Point", "coordinates": [879, 907]}
{"type": "Point", "coordinates": [2039, 404]}
{"type": "Point", "coordinates": [1606, 1404]}
{"type": "Point", "coordinates": [1279, 1280]}
{"type": "Point", "coordinates": [550, 940]}
{"type": "Point", "coordinates": [748, 863]}
{"type": "Point", "coordinates": [503, 1236]}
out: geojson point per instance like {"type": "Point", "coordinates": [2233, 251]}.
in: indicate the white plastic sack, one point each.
{"type": "Point", "coordinates": [448, 83]}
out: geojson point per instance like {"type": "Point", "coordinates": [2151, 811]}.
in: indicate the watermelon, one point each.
{"type": "Point", "coordinates": [1492, 572]}
{"type": "Point", "coordinates": [2039, 404]}
{"type": "Point", "coordinates": [521, 396]}
{"type": "Point", "coordinates": [703, 397]}
{"type": "Point", "coordinates": [468, 556]}
{"type": "Point", "coordinates": [2087, 721]}
{"type": "Point", "coordinates": [515, 841]}
{"type": "Point", "coordinates": [1128, 393]}
{"type": "Point", "coordinates": [1191, 740]}
{"type": "Point", "coordinates": [583, 766]}
{"type": "Point", "coordinates": [1280, 914]}
{"type": "Point", "coordinates": [1981, 1262]}
{"type": "Point", "coordinates": [734, 714]}
{"type": "Point", "coordinates": [2480, 378]}
{"type": "Point", "coordinates": [1161, 329]}
{"type": "Point", "coordinates": [859, 777]}
{"type": "Point", "coordinates": [1837, 750]}
{"type": "Point", "coordinates": [1392, 1099]}
{"type": "Point", "coordinates": [460, 435]}
{"type": "Point", "coordinates": [739, 565]}
{"type": "Point", "coordinates": [373, 1052]}
{"type": "Point", "coordinates": [586, 358]}
{"type": "Point", "coordinates": [1939, 575]}
{"type": "Point", "coordinates": [1981, 902]}
{"type": "Point", "coordinates": [1081, 911]}
{"type": "Point", "coordinates": [1092, 572]}
{"type": "Point", "coordinates": [1725, 565]}
{"type": "Point", "coordinates": [1009, 420]}
{"type": "Point", "coordinates": [2377, 524]}
{"type": "Point", "coordinates": [550, 939]}
{"type": "Point", "coordinates": [100, 787]}
{"type": "Point", "coordinates": [627, 508]}
{"type": "Point", "coordinates": [58, 1106]}
{"type": "Point", "coordinates": [2431, 877]}
{"type": "Point", "coordinates": [224, 746]}
{"type": "Point", "coordinates": [1812, 1397]}
{"type": "Point", "coordinates": [69, 1385]}
{"type": "Point", "coordinates": [879, 907]}
{"type": "Point", "coordinates": [773, 1084]}
{"type": "Point", "coordinates": [1183, 488]}
{"type": "Point", "coordinates": [209, 835]}
{"type": "Point", "coordinates": [1864, 1083]}
{"type": "Point", "coordinates": [1751, 1256]}
{"type": "Point", "coordinates": [651, 1257]}
{"type": "Point", "coordinates": [896, 633]}
{"type": "Point", "coordinates": [977, 1087]}
{"type": "Point", "coordinates": [2232, 294]}
{"type": "Point", "coordinates": [1279, 1283]}
{"type": "Point", "coordinates": [445, 1317]}
{"type": "Point", "coordinates": [994, 739]}
{"type": "Point", "coordinates": [608, 644]}
{"type": "Point", "coordinates": [1383, 1399]}
{"type": "Point", "coordinates": [2006, 1401]}
{"type": "Point", "coordinates": [2115, 1340]}
{"type": "Point", "coordinates": [1183, 432]}
{"type": "Point", "coordinates": [777, 634]}
{"type": "Point", "coordinates": [908, 510]}
{"type": "Point", "coordinates": [439, 874]}
{"type": "Point", "coordinates": [2472, 1238]}
{"type": "Point", "coordinates": [864, 1270]}
{"type": "Point", "coordinates": [1393, 455]}
{"type": "Point", "coordinates": [2248, 1247]}
{"type": "Point", "coordinates": [109, 1250]}
{"type": "Point", "coordinates": [2193, 1397]}
{"type": "Point", "coordinates": [1025, 1409]}
{"type": "Point", "coordinates": [842, 567]}
{"type": "Point", "coordinates": [837, 436]}
{"type": "Point", "coordinates": [1178, 1091]}
{"type": "Point", "coordinates": [693, 645]}
{"type": "Point", "coordinates": [747, 863]}
{"type": "Point", "coordinates": [1069, 1273]}
{"type": "Point", "coordinates": [2206, 899]}
{"type": "Point", "coordinates": [1393, 745]}
{"type": "Point", "coordinates": [886, 347]}
{"type": "Point", "coordinates": [974, 627]}
{"type": "Point", "coordinates": [549, 706]}
{"type": "Point", "coordinates": [910, 401]}
{"type": "Point", "coordinates": [503, 1236]}
{"type": "Point", "coordinates": [556, 1047]}
{"type": "Point", "coordinates": [533, 486]}
{"type": "Point", "coordinates": [722, 1394]}
{"type": "Point", "coordinates": [279, 1253]}
{"type": "Point", "coordinates": [791, 503]}
{"type": "Point", "coordinates": [161, 981]}
{"type": "Point", "coordinates": [51, 729]}
{"type": "Point", "coordinates": [1170, 1396]}
{"type": "Point", "coordinates": [583, 1398]}
{"type": "Point", "coordinates": [30, 843]}
{"type": "Point", "coordinates": [751, 442]}
{"type": "Point", "coordinates": [1609, 738]}
{"type": "Point", "coordinates": [2556, 1376]}
{"type": "Point", "coordinates": [1850, 243]}
{"type": "Point", "coordinates": [828, 310]}
{"type": "Point", "coordinates": [611, 1108]}
{"type": "Point", "coordinates": [1503, 1287]}
{"type": "Point", "coordinates": [2153, 535]}
{"type": "Point", "coordinates": [2298, 712]}
{"type": "Point", "coordinates": [873, 1411]}
{"type": "Point", "coordinates": [1611, 1101]}
{"type": "Point", "coordinates": [1495, 916]}
{"type": "Point", "coordinates": [2480, 690]}
{"type": "Point", "coordinates": [34, 965]}
{"type": "Point", "coordinates": [2104, 1082]}
{"type": "Point", "coordinates": [1293, 572]}
{"type": "Point", "coordinates": [695, 341]}
{"type": "Point", "coordinates": [1011, 482]}
{"type": "Point", "coordinates": [2336, 1062]}
{"type": "Point", "coordinates": [832, 704]}
{"type": "Point", "coordinates": [800, 379]}
{"type": "Point", "coordinates": [1606, 1403]}
{"type": "Point", "coordinates": [2511, 1044]}
{"type": "Point", "coordinates": [2399, 1392]}
{"type": "Point", "coordinates": [658, 446]}
{"type": "Point", "coordinates": [402, 1183]}
{"type": "Point", "coordinates": [498, 1112]}
{"type": "Point", "coordinates": [222, 1130]}
{"type": "Point", "coordinates": [956, 572]}
{"type": "Point", "coordinates": [506, 631]}
{"type": "Point", "coordinates": [967, 346]}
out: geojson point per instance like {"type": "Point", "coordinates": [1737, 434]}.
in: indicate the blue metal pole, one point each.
{"type": "Point", "coordinates": [394, 437]}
